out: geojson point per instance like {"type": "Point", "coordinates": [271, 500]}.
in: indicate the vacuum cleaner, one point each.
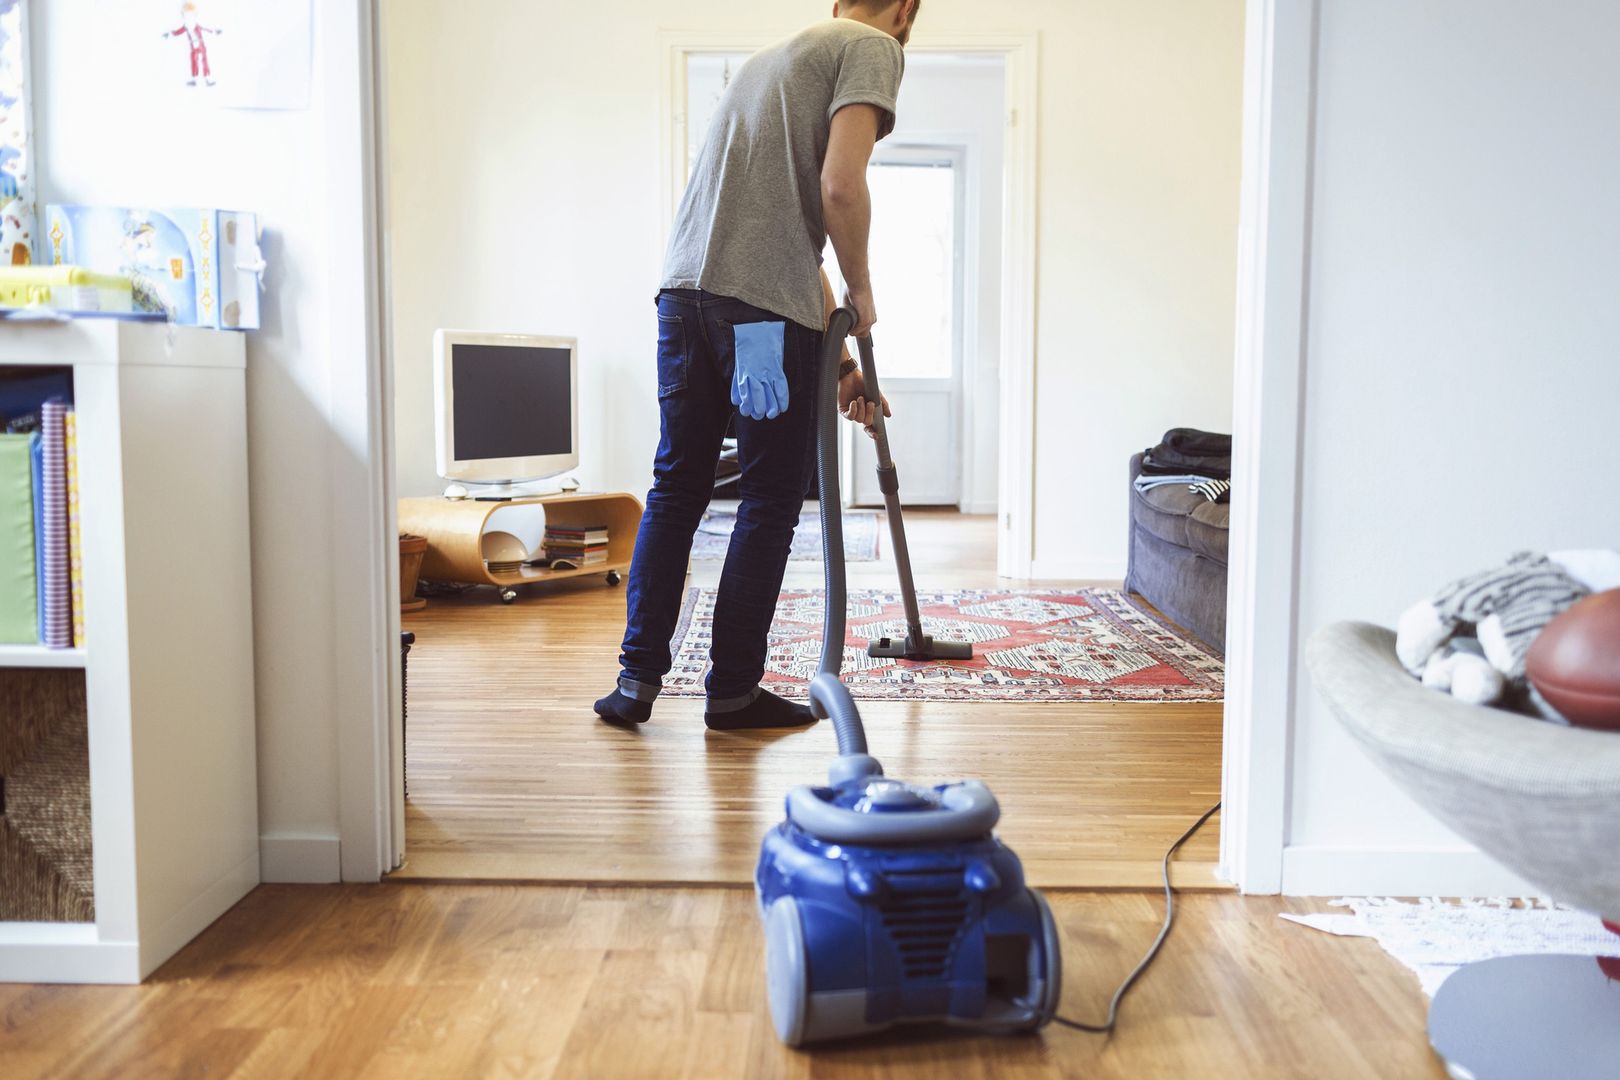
{"type": "Point", "coordinates": [886, 902]}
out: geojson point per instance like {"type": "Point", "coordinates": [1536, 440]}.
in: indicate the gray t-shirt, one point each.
{"type": "Point", "coordinates": [750, 226]}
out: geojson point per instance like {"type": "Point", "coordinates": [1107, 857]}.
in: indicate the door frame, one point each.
{"type": "Point", "coordinates": [365, 608]}
{"type": "Point", "coordinates": [1274, 250]}
{"type": "Point", "coordinates": [1020, 55]}
{"type": "Point", "coordinates": [968, 142]}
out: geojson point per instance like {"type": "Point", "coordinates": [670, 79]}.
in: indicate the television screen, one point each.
{"type": "Point", "coordinates": [511, 401]}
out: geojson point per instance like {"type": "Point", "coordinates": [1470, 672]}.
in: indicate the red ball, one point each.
{"type": "Point", "coordinates": [1575, 662]}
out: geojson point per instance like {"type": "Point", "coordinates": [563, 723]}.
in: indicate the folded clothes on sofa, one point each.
{"type": "Point", "coordinates": [1201, 443]}
{"type": "Point", "coordinates": [1215, 489]}
{"type": "Point", "coordinates": [1148, 483]}
{"type": "Point", "coordinates": [1186, 451]}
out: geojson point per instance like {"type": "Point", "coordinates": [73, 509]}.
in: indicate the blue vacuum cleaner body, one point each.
{"type": "Point", "coordinates": [860, 937]}
{"type": "Point", "coordinates": [886, 902]}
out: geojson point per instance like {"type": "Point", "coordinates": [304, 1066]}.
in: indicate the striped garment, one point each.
{"type": "Point", "coordinates": [57, 633]}
{"type": "Point", "coordinates": [1519, 599]}
{"type": "Point", "coordinates": [1213, 490]}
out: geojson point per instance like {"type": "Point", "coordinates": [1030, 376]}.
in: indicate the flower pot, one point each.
{"type": "Point", "coordinates": [411, 550]}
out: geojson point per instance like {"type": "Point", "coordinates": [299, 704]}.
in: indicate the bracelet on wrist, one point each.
{"type": "Point", "coordinates": [847, 368]}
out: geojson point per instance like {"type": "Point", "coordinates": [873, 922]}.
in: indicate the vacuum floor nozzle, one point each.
{"type": "Point", "coordinates": [923, 647]}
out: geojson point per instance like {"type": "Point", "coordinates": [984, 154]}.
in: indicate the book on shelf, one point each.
{"type": "Point", "coordinates": [565, 552]}
{"type": "Point", "coordinates": [572, 561]}
{"type": "Point", "coordinates": [578, 532]}
{"type": "Point", "coordinates": [56, 629]}
{"type": "Point", "coordinates": [75, 552]}
{"type": "Point", "coordinates": [575, 546]}
{"type": "Point", "coordinates": [36, 454]}
{"type": "Point", "coordinates": [41, 580]}
{"type": "Point", "coordinates": [19, 603]}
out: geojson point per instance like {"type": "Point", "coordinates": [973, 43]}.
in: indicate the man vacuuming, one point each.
{"type": "Point", "coordinates": [741, 311]}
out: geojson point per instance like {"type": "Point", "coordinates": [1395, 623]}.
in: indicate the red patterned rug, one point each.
{"type": "Point", "coordinates": [1028, 645]}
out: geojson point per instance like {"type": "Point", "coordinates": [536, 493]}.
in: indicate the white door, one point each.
{"type": "Point", "coordinates": [918, 273]}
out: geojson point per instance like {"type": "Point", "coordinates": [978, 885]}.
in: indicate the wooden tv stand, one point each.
{"type": "Point", "coordinates": [454, 529]}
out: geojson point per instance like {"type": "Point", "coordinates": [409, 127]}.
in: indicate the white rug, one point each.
{"type": "Point", "coordinates": [1436, 937]}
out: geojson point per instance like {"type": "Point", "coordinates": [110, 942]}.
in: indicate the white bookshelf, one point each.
{"type": "Point", "coordinates": [35, 656]}
{"type": "Point", "coordinates": [168, 657]}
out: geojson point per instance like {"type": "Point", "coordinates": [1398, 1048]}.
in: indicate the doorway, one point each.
{"type": "Point", "coordinates": [920, 254]}
{"type": "Point", "coordinates": [536, 793]}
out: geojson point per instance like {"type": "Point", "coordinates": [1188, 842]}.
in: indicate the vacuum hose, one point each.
{"type": "Point", "coordinates": [829, 697]}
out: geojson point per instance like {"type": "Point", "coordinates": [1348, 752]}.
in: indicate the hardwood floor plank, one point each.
{"type": "Point", "coordinates": [513, 778]}
{"type": "Point", "coordinates": [544, 981]}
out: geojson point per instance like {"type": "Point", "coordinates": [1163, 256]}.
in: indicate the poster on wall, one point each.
{"type": "Point", "coordinates": [16, 138]}
{"type": "Point", "coordinates": [239, 54]}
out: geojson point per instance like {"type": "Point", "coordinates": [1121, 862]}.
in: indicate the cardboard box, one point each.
{"type": "Point", "coordinates": [197, 267]}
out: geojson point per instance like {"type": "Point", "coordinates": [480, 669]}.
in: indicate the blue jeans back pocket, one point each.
{"type": "Point", "coordinates": [672, 354]}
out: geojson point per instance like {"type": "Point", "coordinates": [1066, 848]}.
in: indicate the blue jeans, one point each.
{"type": "Point", "coordinates": [696, 360]}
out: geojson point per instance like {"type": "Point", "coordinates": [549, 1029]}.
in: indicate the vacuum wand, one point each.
{"type": "Point", "coordinates": [917, 644]}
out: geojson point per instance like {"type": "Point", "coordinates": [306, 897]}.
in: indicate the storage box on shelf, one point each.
{"type": "Point", "coordinates": [167, 665]}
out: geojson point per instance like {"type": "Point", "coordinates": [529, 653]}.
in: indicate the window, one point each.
{"type": "Point", "coordinates": [913, 255]}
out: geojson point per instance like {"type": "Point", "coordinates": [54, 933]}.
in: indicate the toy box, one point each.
{"type": "Point", "coordinates": [197, 267]}
{"type": "Point", "coordinates": [69, 289]}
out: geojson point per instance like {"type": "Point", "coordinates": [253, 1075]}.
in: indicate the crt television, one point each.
{"type": "Point", "coordinates": [507, 406]}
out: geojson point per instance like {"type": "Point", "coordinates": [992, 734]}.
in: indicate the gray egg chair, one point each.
{"type": "Point", "coordinates": [1540, 798]}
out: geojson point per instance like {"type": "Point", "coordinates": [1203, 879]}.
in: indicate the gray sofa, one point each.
{"type": "Point", "coordinates": [1178, 556]}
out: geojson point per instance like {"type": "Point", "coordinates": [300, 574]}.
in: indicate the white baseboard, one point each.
{"type": "Point", "coordinates": [1312, 870]}
{"type": "Point", "coordinates": [65, 953]}
{"type": "Point", "coordinates": [983, 509]}
{"type": "Point", "coordinates": [300, 860]}
{"type": "Point", "coordinates": [1078, 569]}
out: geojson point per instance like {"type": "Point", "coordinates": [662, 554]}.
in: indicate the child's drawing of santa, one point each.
{"type": "Point", "coordinates": [195, 34]}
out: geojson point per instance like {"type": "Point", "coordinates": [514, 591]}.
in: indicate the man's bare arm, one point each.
{"type": "Point", "coordinates": [846, 204]}
{"type": "Point", "coordinates": [852, 403]}
{"type": "Point", "coordinates": [829, 304]}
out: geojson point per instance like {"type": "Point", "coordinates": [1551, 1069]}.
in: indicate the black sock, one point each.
{"type": "Point", "coordinates": [765, 711]}
{"type": "Point", "coordinates": [616, 708]}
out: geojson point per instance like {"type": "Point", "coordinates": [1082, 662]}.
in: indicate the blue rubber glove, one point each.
{"type": "Point", "coordinates": [760, 389]}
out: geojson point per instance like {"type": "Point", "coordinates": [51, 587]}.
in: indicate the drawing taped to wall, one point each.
{"type": "Point", "coordinates": [196, 36]}
{"type": "Point", "coordinates": [244, 54]}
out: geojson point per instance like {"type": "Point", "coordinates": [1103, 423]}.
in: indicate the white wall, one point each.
{"type": "Point", "coordinates": [1461, 371]}
{"type": "Point", "coordinates": [524, 159]}
{"type": "Point", "coordinates": [1141, 107]}
{"type": "Point", "coordinates": [108, 135]}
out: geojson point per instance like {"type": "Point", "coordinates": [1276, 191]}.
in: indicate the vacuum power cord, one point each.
{"type": "Point", "coordinates": [1107, 1028]}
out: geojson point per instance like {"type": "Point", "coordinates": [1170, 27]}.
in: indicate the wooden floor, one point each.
{"type": "Point", "coordinates": [399, 981]}
{"type": "Point", "coordinates": [511, 776]}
